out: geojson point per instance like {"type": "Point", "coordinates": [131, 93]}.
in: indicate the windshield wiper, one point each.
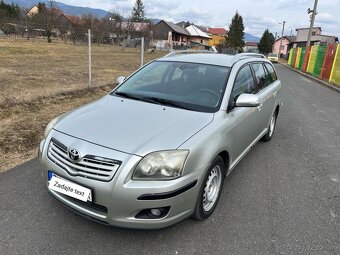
{"type": "Point", "coordinates": [128, 95]}
{"type": "Point", "coordinates": [167, 102]}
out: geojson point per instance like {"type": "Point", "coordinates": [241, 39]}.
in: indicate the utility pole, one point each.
{"type": "Point", "coordinates": [311, 21]}
{"type": "Point", "coordinates": [283, 29]}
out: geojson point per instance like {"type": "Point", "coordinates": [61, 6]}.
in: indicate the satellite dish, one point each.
{"type": "Point", "coordinates": [309, 11]}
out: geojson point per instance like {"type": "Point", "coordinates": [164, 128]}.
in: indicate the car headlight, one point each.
{"type": "Point", "coordinates": [161, 165]}
{"type": "Point", "coordinates": [50, 126]}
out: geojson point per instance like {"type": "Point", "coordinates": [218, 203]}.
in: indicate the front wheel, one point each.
{"type": "Point", "coordinates": [271, 128]}
{"type": "Point", "coordinates": [210, 190]}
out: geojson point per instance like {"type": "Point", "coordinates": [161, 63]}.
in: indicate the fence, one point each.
{"type": "Point", "coordinates": [31, 67]}
{"type": "Point", "coordinates": [322, 61]}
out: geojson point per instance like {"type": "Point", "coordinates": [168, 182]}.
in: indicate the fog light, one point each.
{"type": "Point", "coordinates": [156, 212]}
{"type": "Point", "coordinates": [153, 213]}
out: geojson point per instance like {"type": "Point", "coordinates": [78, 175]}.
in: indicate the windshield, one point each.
{"type": "Point", "coordinates": [191, 86]}
{"type": "Point", "coordinates": [272, 55]}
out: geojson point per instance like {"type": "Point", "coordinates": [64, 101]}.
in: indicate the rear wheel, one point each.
{"type": "Point", "coordinates": [271, 128]}
{"type": "Point", "coordinates": [210, 190]}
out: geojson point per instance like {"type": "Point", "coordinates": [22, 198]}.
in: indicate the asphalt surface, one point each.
{"type": "Point", "coordinates": [282, 198]}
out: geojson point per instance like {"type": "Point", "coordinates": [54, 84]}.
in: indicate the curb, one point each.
{"type": "Point", "coordinates": [323, 83]}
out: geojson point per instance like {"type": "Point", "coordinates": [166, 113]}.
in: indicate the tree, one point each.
{"type": "Point", "coordinates": [138, 14]}
{"type": "Point", "coordinates": [266, 42]}
{"type": "Point", "coordinates": [236, 33]}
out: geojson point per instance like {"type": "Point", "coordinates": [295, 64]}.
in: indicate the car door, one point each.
{"type": "Point", "coordinates": [267, 90]}
{"type": "Point", "coordinates": [246, 124]}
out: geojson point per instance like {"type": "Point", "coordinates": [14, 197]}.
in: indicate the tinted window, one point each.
{"type": "Point", "coordinates": [271, 71]}
{"type": "Point", "coordinates": [244, 82]}
{"type": "Point", "coordinates": [260, 76]}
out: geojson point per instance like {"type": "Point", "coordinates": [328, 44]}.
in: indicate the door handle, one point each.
{"type": "Point", "coordinates": [259, 107]}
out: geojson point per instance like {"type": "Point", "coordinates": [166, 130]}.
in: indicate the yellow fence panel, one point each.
{"type": "Point", "coordinates": [335, 74]}
{"type": "Point", "coordinates": [312, 58]}
{"type": "Point", "coordinates": [298, 56]}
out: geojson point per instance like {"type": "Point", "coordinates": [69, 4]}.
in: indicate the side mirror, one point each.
{"type": "Point", "coordinates": [248, 100]}
{"type": "Point", "coordinates": [120, 79]}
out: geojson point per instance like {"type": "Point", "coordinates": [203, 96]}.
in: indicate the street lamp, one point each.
{"type": "Point", "coordinates": [283, 29]}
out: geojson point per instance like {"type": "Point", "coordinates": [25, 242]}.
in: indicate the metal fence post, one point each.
{"type": "Point", "coordinates": [142, 52]}
{"type": "Point", "coordinates": [90, 61]}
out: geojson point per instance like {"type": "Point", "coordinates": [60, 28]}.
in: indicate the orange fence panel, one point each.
{"type": "Point", "coordinates": [328, 62]}
{"type": "Point", "coordinates": [306, 59]}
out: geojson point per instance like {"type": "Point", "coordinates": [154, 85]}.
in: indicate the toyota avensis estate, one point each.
{"type": "Point", "coordinates": [157, 148]}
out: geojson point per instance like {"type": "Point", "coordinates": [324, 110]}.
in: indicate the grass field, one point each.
{"type": "Point", "coordinates": [39, 81]}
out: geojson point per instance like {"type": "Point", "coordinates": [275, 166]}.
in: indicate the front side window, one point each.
{"type": "Point", "coordinates": [271, 71]}
{"type": "Point", "coordinates": [244, 83]}
{"type": "Point", "coordinates": [192, 86]}
{"type": "Point", "coordinates": [260, 76]}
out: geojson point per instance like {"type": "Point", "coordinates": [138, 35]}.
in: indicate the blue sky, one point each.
{"type": "Point", "coordinates": [258, 15]}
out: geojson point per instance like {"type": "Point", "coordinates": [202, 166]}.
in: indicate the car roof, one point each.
{"type": "Point", "coordinates": [209, 58]}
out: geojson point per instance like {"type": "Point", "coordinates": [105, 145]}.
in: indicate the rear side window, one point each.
{"type": "Point", "coordinates": [261, 76]}
{"type": "Point", "coordinates": [244, 82]}
{"type": "Point", "coordinates": [271, 71]}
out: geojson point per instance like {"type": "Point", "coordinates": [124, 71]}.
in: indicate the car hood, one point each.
{"type": "Point", "coordinates": [132, 126]}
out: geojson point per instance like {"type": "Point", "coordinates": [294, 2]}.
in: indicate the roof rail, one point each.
{"type": "Point", "coordinates": [178, 52]}
{"type": "Point", "coordinates": [248, 55]}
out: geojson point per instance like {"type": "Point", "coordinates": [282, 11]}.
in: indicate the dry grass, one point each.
{"type": "Point", "coordinates": [39, 81]}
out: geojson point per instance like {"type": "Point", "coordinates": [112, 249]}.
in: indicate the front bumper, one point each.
{"type": "Point", "coordinates": [118, 201]}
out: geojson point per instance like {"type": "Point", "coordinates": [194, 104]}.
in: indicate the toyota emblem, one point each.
{"type": "Point", "coordinates": [74, 154]}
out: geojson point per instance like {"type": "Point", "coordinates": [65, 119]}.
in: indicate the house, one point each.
{"type": "Point", "coordinates": [251, 47]}
{"type": "Point", "coordinates": [136, 29]}
{"type": "Point", "coordinates": [218, 36]}
{"type": "Point", "coordinates": [285, 46]}
{"type": "Point", "coordinates": [316, 39]}
{"type": "Point", "coordinates": [197, 35]}
{"type": "Point", "coordinates": [34, 10]}
{"type": "Point", "coordinates": [165, 33]}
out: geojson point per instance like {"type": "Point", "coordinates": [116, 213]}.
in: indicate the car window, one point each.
{"type": "Point", "coordinates": [271, 71]}
{"type": "Point", "coordinates": [193, 86]}
{"type": "Point", "coordinates": [260, 76]}
{"type": "Point", "coordinates": [244, 82]}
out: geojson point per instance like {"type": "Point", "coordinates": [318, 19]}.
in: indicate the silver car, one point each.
{"type": "Point", "coordinates": [156, 149]}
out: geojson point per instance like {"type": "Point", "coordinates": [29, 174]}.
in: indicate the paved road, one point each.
{"type": "Point", "coordinates": [283, 198]}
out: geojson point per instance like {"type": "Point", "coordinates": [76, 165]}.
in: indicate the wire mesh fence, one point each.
{"type": "Point", "coordinates": [39, 62]}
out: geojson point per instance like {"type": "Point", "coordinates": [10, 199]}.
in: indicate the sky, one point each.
{"type": "Point", "coordinates": [258, 15]}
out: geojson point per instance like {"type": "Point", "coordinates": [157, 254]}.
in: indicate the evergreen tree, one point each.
{"type": "Point", "coordinates": [266, 42]}
{"type": "Point", "coordinates": [236, 33]}
{"type": "Point", "coordinates": [138, 14]}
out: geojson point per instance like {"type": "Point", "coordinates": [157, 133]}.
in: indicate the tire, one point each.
{"type": "Point", "coordinates": [208, 197]}
{"type": "Point", "coordinates": [271, 128]}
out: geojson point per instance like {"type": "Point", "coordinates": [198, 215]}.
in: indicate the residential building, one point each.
{"type": "Point", "coordinates": [285, 46]}
{"type": "Point", "coordinates": [251, 47]}
{"type": "Point", "coordinates": [317, 37]}
{"type": "Point", "coordinates": [197, 35]}
{"type": "Point", "coordinates": [165, 33]}
{"type": "Point", "coordinates": [218, 36]}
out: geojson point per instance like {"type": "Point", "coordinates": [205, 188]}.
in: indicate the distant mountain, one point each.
{"type": "Point", "coordinates": [68, 9]}
{"type": "Point", "coordinates": [251, 38]}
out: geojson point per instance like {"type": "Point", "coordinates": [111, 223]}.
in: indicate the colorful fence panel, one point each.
{"type": "Point", "coordinates": [298, 56]}
{"type": "Point", "coordinates": [291, 56]}
{"type": "Point", "coordinates": [302, 57]}
{"type": "Point", "coordinates": [320, 56]}
{"type": "Point", "coordinates": [312, 58]}
{"type": "Point", "coordinates": [335, 73]}
{"type": "Point", "coordinates": [328, 62]}
{"type": "Point", "coordinates": [306, 59]}
{"type": "Point", "coordinates": [295, 57]}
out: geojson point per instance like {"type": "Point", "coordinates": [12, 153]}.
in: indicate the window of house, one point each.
{"type": "Point", "coordinates": [282, 47]}
{"type": "Point", "coordinates": [313, 33]}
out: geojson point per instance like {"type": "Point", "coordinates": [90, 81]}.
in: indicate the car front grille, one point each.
{"type": "Point", "coordinates": [90, 166]}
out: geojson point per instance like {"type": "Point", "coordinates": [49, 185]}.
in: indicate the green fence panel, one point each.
{"type": "Point", "coordinates": [291, 56]}
{"type": "Point", "coordinates": [302, 57]}
{"type": "Point", "coordinates": [320, 56]}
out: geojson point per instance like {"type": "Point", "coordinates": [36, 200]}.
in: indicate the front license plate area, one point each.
{"type": "Point", "coordinates": [68, 188]}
